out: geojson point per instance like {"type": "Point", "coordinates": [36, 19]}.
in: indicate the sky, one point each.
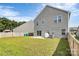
{"type": "Point", "coordinates": [29, 11]}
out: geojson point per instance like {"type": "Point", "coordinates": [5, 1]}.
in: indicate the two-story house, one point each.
{"type": "Point", "coordinates": [53, 21]}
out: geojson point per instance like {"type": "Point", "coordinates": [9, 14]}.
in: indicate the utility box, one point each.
{"type": "Point", "coordinates": [26, 34]}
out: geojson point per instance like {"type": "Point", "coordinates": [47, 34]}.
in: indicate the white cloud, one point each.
{"type": "Point", "coordinates": [6, 7]}
{"type": "Point", "coordinates": [12, 14]}
{"type": "Point", "coordinates": [20, 18]}
{"type": "Point", "coordinates": [8, 11]}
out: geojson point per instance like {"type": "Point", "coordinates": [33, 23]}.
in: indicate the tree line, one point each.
{"type": "Point", "coordinates": [6, 23]}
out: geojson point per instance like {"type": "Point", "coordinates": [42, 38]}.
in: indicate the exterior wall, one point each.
{"type": "Point", "coordinates": [49, 25]}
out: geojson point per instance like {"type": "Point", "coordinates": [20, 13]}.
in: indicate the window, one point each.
{"type": "Point", "coordinates": [38, 33]}
{"type": "Point", "coordinates": [63, 31]}
{"type": "Point", "coordinates": [37, 24]}
{"type": "Point", "coordinates": [57, 19]}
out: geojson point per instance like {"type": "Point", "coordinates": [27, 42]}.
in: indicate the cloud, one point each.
{"type": "Point", "coordinates": [8, 11]}
{"type": "Point", "coordinates": [6, 7]}
{"type": "Point", "coordinates": [12, 14]}
{"type": "Point", "coordinates": [20, 18]}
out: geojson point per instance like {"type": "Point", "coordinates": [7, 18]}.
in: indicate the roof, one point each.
{"type": "Point", "coordinates": [58, 9]}
{"type": "Point", "coordinates": [26, 27]}
{"type": "Point", "coordinates": [68, 12]}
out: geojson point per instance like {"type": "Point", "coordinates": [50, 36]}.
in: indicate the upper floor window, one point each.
{"type": "Point", "coordinates": [57, 19]}
{"type": "Point", "coordinates": [37, 24]}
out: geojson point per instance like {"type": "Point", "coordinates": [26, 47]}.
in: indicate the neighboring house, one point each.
{"type": "Point", "coordinates": [27, 27]}
{"type": "Point", "coordinates": [77, 33]}
{"type": "Point", "coordinates": [7, 30]}
{"type": "Point", "coordinates": [73, 30]}
{"type": "Point", "coordinates": [53, 21]}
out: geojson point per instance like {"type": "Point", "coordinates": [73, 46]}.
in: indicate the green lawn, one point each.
{"type": "Point", "coordinates": [63, 48]}
{"type": "Point", "coordinates": [26, 46]}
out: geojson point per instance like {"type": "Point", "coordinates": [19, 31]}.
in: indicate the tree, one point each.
{"type": "Point", "coordinates": [2, 27]}
{"type": "Point", "coordinates": [9, 24]}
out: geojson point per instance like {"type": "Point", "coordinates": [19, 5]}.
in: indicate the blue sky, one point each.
{"type": "Point", "coordinates": [28, 11]}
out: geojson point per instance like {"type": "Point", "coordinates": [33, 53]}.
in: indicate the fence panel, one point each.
{"type": "Point", "coordinates": [10, 34]}
{"type": "Point", "coordinates": [74, 45]}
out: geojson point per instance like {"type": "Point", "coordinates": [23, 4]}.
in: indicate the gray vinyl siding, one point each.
{"type": "Point", "coordinates": [49, 25]}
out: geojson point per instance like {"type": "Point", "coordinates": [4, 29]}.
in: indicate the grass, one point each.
{"type": "Point", "coordinates": [63, 48]}
{"type": "Point", "coordinates": [27, 46]}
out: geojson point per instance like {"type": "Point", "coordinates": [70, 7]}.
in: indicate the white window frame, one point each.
{"type": "Point", "coordinates": [57, 18]}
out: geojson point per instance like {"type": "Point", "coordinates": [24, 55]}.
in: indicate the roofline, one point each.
{"type": "Point", "coordinates": [24, 23]}
{"type": "Point", "coordinates": [59, 9]}
{"type": "Point", "coordinates": [54, 8]}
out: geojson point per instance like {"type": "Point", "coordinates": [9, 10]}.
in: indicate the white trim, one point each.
{"type": "Point", "coordinates": [57, 18]}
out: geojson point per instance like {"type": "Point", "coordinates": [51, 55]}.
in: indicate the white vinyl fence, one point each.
{"type": "Point", "coordinates": [11, 34]}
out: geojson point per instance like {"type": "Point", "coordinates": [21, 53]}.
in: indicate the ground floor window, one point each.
{"type": "Point", "coordinates": [31, 34]}
{"type": "Point", "coordinates": [63, 31]}
{"type": "Point", "coordinates": [38, 33]}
